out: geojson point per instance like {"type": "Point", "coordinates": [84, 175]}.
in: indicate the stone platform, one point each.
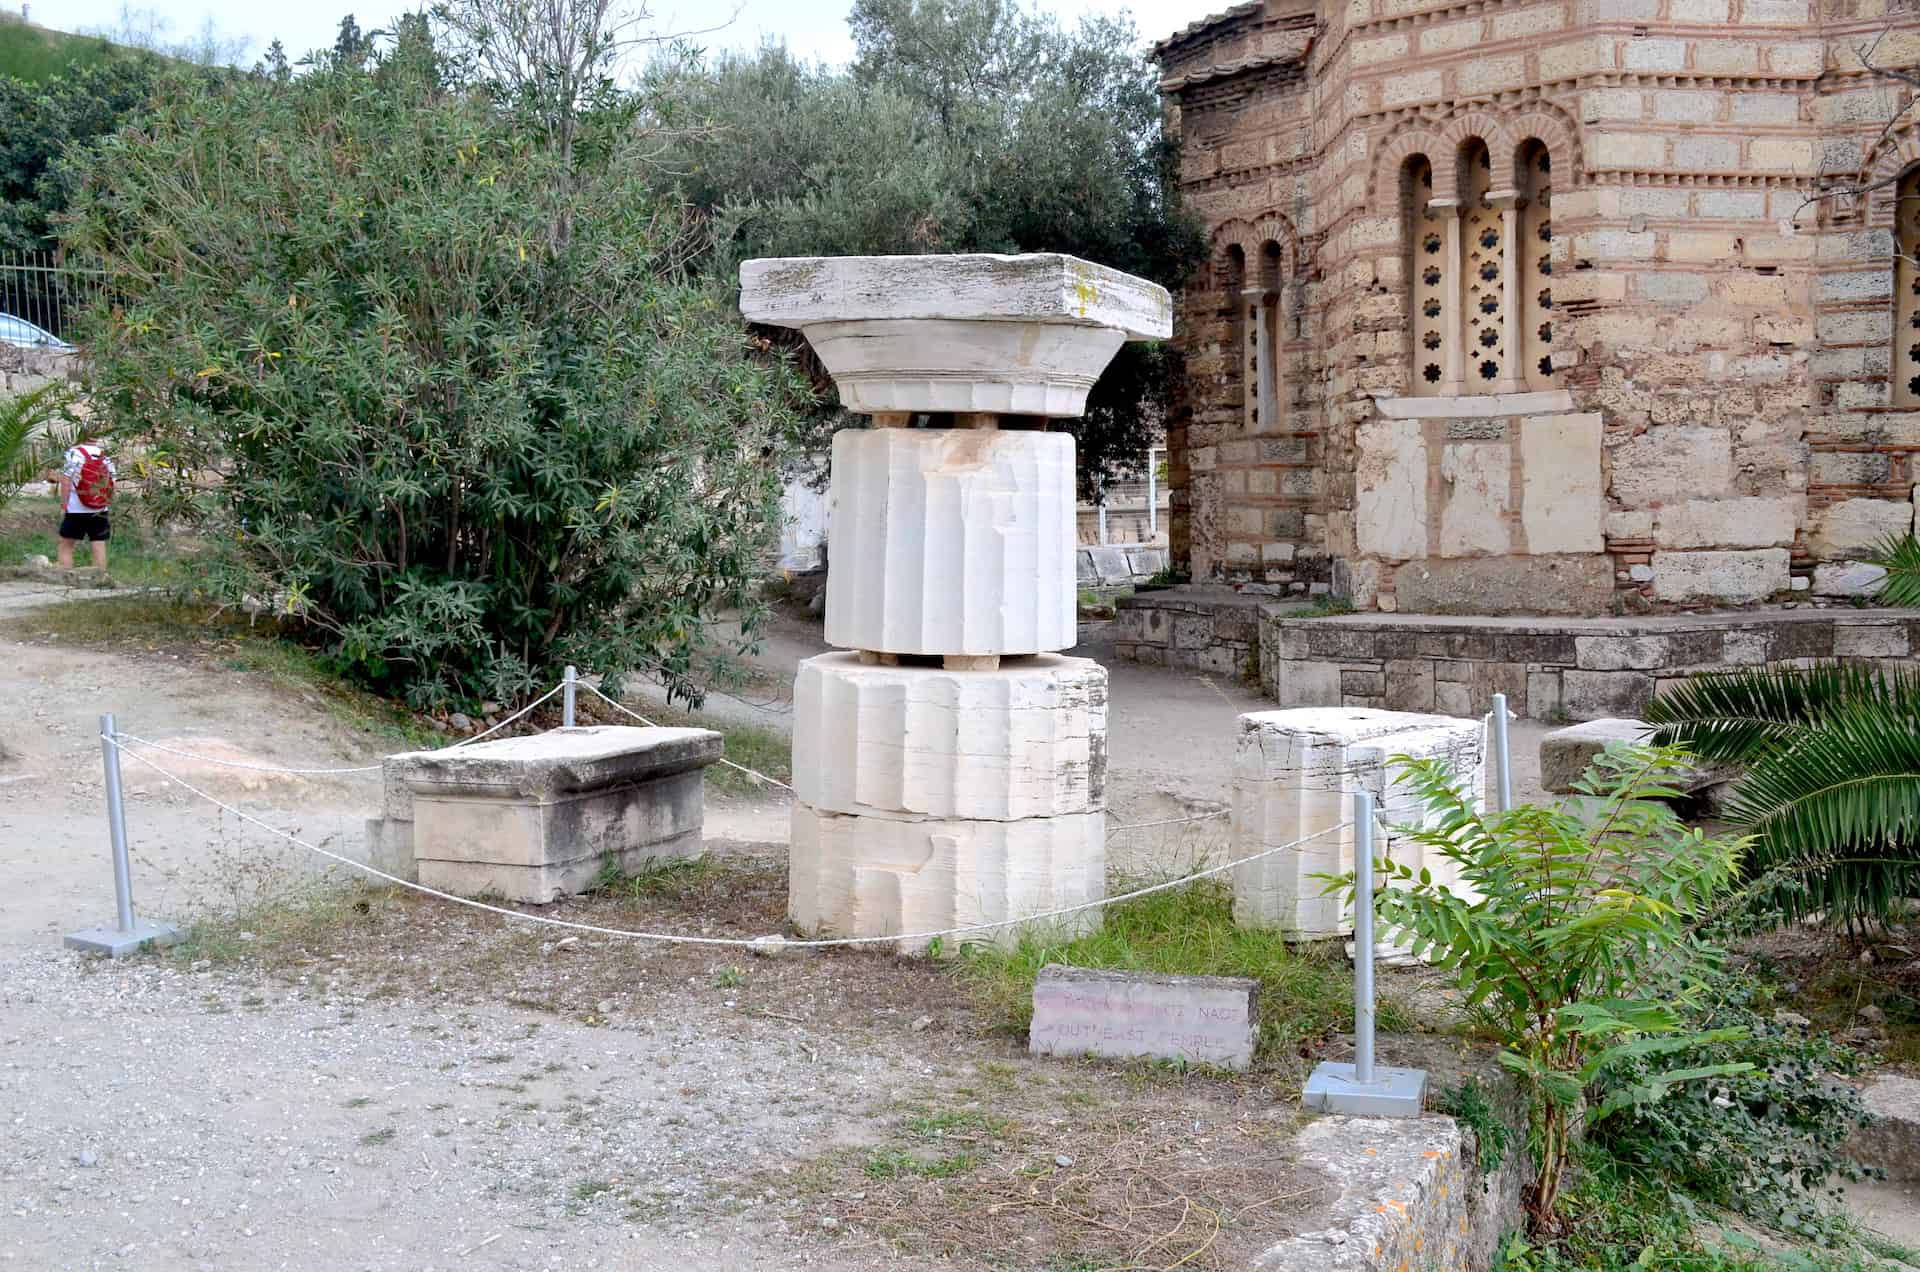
{"type": "Point", "coordinates": [1550, 668]}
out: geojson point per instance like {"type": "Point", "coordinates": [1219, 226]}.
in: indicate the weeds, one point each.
{"type": "Point", "coordinates": [374, 1139]}
{"type": "Point", "coordinates": [1469, 1105]}
{"type": "Point", "coordinates": [1304, 995]}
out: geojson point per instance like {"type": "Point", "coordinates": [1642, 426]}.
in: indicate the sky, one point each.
{"type": "Point", "coordinates": [815, 29]}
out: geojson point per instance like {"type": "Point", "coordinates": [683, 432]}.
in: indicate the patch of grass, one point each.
{"type": "Point", "coordinates": [1304, 995]}
{"type": "Point", "coordinates": [278, 928]}
{"type": "Point", "coordinates": [896, 1163]}
{"type": "Point", "coordinates": [1328, 606]}
{"type": "Point", "coordinates": [662, 879]}
{"type": "Point", "coordinates": [591, 1187]}
{"type": "Point", "coordinates": [763, 750]}
{"type": "Point", "coordinates": [373, 1139]}
{"type": "Point", "coordinates": [939, 1124]}
{"type": "Point", "coordinates": [1468, 1104]}
{"type": "Point", "coordinates": [36, 54]}
{"type": "Point", "coordinates": [135, 556]}
{"type": "Point", "coordinates": [729, 977]}
{"type": "Point", "coordinates": [357, 1102]}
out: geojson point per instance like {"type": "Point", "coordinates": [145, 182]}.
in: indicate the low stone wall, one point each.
{"type": "Point", "coordinates": [1196, 628]}
{"type": "Point", "coordinates": [1550, 669]}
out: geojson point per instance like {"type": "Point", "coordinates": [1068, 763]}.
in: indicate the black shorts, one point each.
{"type": "Point", "coordinates": [91, 526]}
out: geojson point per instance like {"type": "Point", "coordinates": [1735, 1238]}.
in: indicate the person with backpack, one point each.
{"type": "Point", "coordinates": [86, 494]}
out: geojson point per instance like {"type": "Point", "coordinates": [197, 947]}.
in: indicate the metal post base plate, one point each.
{"type": "Point", "coordinates": [117, 944]}
{"type": "Point", "coordinates": [1392, 1093]}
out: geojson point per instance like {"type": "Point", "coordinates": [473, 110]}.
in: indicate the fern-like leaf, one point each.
{"type": "Point", "coordinates": [1899, 556]}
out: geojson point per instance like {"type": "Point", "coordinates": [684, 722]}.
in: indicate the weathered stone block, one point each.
{"type": "Point", "coordinates": [1592, 695]}
{"type": "Point", "coordinates": [1854, 526]}
{"type": "Point", "coordinates": [1478, 481]}
{"type": "Point", "coordinates": [1671, 463]}
{"type": "Point", "coordinates": [1566, 753]}
{"type": "Point", "coordinates": [1027, 739]}
{"type": "Point", "coordinates": [1505, 585]}
{"type": "Point", "coordinates": [1562, 506]}
{"type": "Point", "coordinates": [951, 541]}
{"type": "Point", "coordinates": [1869, 640]}
{"type": "Point", "coordinates": [1390, 489]}
{"type": "Point", "coordinates": [1746, 522]}
{"type": "Point", "coordinates": [1733, 577]}
{"type": "Point", "coordinates": [1080, 1011]}
{"type": "Point", "coordinates": [534, 818]}
{"type": "Point", "coordinates": [878, 876]}
{"type": "Point", "coordinates": [1305, 683]}
{"type": "Point", "coordinates": [1847, 578]}
{"type": "Point", "coordinates": [1293, 771]}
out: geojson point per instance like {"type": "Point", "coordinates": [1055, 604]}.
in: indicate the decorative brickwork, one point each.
{"type": "Point", "coordinates": [1524, 305]}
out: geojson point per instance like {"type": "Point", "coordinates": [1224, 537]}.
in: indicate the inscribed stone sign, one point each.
{"type": "Point", "coordinates": [1127, 1015]}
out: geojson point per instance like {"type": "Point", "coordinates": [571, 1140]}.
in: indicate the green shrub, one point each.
{"type": "Point", "coordinates": [445, 392]}
{"type": "Point", "coordinates": [1767, 1142]}
{"type": "Point", "coordinates": [1579, 951]}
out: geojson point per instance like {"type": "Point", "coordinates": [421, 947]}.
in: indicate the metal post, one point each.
{"type": "Point", "coordinates": [567, 697]}
{"type": "Point", "coordinates": [117, 825]}
{"type": "Point", "coordinates": [1362, 1089]}
{"type": "Point", "coordinates": [1363, 938]}
{"type": "Point", "coordinates": [130, 934]}
{"type": "Point", "coordinates": [1502, 757]}
{"type": "Point", "coordinates": [1153, 497]}
{"type": "Point", "coordinates": [1101, 507]}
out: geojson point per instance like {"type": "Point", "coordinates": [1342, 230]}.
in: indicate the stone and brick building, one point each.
{"type": "Point", "coordinates": [1526, 306]}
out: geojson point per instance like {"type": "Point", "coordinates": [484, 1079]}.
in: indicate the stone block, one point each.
{"type": "Point", "coordinates": [1891, 1141]}
{"type": "Point", "coordinates": [1855, 526]}
{"type": "Point", "coordinates": [1635, 652]}
{"type": "Point", "coordinates": [1111, 565]}
{"type": "Point", "coordinates": [1562, 507]}
{"type": "Point", "coordinates": [1506, 585]}
{"type": "Point", "coordinates": [534, 818]}
{"type": "Point", "coordinates": [1080, 1011]}
{"type": "Point", "coordinates": [1727, 577]}
{"type": "Point", "coordinates": [1869, 640]}
{"type": "Point", "coordinates": [886, 876]}
{"type": "Point", "coordinates": [1672, 462]}
{"type": "Point", "coordinates": [1593, 695]}
{"type": "Point", "coordinates": [1747, 522]}
{"type": "Point", "coordinates": [1847, 578]}
{"type": "Point", "coordinates": [1390, 489]}
{"type": "Point", "coordinates": [1306, 683]}
{"type": "Point", "coordinates": [951, 541]}
{"type": "Point", "coordinates": [1477, 481]}
{"type": "Point", "coordinates": [1566, 753]}
{"type": "Point", "coordinates": [1292, 777]}
{"type": "Point", "coordinates": [1027, 739]}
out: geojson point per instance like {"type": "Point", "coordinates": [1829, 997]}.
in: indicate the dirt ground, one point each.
{"type": "Point", "coordinates": [410, 1088]}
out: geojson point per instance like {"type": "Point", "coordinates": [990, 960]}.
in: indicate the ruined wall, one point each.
{"type": "Point", "coordinates": [1666, 379]}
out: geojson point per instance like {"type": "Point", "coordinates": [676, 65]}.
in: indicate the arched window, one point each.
{"type": "Point", "coordinates": [1534, 176]}
{"type": "Point", "coordinates": [1233, 281]}
{"type": "Point", "coordinates": [1906, 290]}
{"type": "Point", "coordinates": [1430, 320]}
{"type": "Point", "coordinates": [1484, 275]}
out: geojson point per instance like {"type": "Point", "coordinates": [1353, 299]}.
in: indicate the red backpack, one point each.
{"type": "Point", "coordinates": [94, 487]}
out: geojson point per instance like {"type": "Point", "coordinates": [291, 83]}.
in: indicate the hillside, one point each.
{"type": "Point", "coordinates": [34, 53]}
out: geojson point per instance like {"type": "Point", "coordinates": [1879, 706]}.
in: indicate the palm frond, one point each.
{"type": "Point", "coordinates": [1899, 556]}
{"type": "Point", "coordinates": [1836, 814]}
{"type": "Point", "coordinates": [1737, 717]}
{"type": "Point", "coordinates": [29, 435]}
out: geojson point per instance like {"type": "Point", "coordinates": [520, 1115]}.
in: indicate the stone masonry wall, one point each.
{"type": "Point", "coordinates": [1552, 669]}
{"type": "Point", "coordinates": [1729, 340]}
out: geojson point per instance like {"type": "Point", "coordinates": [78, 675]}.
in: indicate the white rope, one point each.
{"type": "Point", "coordinates": [621, 706]}
{"type": "Point", "coordinates": [120, 736]}
{"type": "Point", "coordinates": [1171, 821]}
{"type": "Point", "coordinates": [762, 943]}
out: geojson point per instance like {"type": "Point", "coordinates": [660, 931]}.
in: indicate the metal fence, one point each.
{"type": "Point", "coordinates": [46, 290]}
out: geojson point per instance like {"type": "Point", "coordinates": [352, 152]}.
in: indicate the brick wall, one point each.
{"type": "Point", "coordinates": [1730, 341]}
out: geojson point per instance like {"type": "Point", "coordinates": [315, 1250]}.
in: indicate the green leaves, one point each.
{"type": "Point", "coordinates": [1899, 556]}
{"type": "Point", "coordinates": [1831, 791]}
{"type": "Point", "coordinates": [461, 392]}
{"type": "Point", "coordinates": [1569, 931]}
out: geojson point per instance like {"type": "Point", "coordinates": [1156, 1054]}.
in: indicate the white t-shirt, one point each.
{"type": "Point", "coordinates": [75, 461]}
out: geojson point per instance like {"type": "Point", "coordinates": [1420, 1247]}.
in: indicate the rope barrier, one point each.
{"type": "Point", "coordinates": [1170, 821]}
{"type": "Point", "coordinates": [763, 944]}
{"type": "Point", "coordinates": [621, 706]}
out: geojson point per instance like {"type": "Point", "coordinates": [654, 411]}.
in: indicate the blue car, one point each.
{"type": "Point", "coordinates": [22, 334]}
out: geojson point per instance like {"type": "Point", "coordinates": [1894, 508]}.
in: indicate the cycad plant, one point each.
{"type": "Point", "coordinates": [1576, 948]}
{"type": "Point", "coordinates": [1831, 788]}
{"type": "Point", "coordinates": [31, 437]}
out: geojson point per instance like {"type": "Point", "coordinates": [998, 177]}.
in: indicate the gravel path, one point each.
{"type": "Point", "coordinates": [165, 1118]}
